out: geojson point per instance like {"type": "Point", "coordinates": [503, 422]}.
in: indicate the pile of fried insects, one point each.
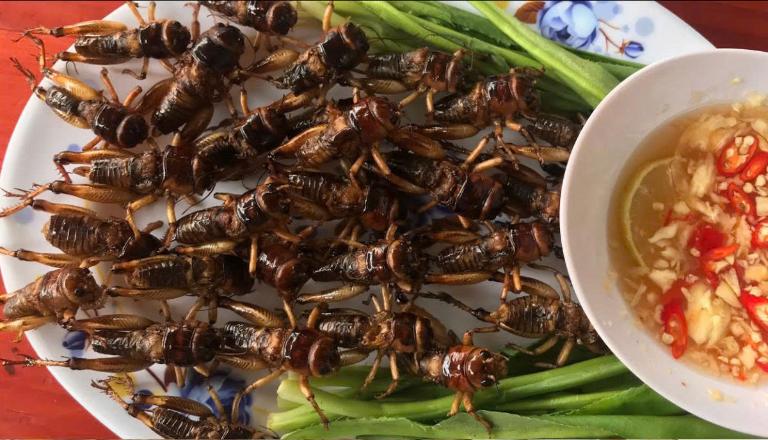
{"type": "Point", "coordinates": [343, 185]}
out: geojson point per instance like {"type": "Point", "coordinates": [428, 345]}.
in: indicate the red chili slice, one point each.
{"type": "Point", "coordinates": [731, 162]}
{"type": "Point", "coordinates": [673, 317]}
{"type": "Point", "coordinates": [708, 259]}
{"type": "Point", "coordinates": [675, 293]}
{"type": "Point", "coordinates": [760, 234]}
{"type": "Point", "coordinates": [719, 253]}
{"type": "Point", "coordinates": [763, 365]}
{"type": "Point", "coordinates": [757, 309]}
{"type": "Point", "coordinates": [755, 167]}
{"type": "Point", "coordinates": [706, 237]}
{"type": "Point", "coordinates": [741, 202]}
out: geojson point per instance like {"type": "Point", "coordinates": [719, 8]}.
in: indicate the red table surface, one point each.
{"type": "Point", "coordinates": [34, 404]}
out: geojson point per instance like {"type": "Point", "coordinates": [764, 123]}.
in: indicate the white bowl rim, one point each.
{"type": "Point", "coordinates": [601, 327]}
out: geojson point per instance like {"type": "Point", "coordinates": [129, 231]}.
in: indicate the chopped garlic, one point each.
{"type": "Point", "coordinates": [681, 208]}
{"type": "Point", "coordinates": [658, 206]}
{"type": "Point", "coordinates": [663, 278]}
{"type": "Point", "coordinates": [736, 80]}
{"type": "Point", "coordinates": [670, 253]}
{"type": "Point", "coordinates": [667, 338]}
{"type": "Point", "coordinates": [661, 264]}
{"type": "Point", "coordinates": [717, 266]}
{"type": "Point", "coordinates": [727, 294]}
{"type": "Point", "coordinates": [715, 395]}
{"type": "Point", "coordinates": [760, 126]}
{"type": "Point", "coordinates": [748, 357]}
{"type": "Point", "coordinates": [761, 206]}
{"type": "Point", "coordinates": [748, 188]}
{"type": "Point", "coordinates": [708, 317]}
{"type": "Point", "coordinates": [664, 233]}
{"type": "Point", "coordinates": [703, 178]}
{"type": "Point", "coordinates": [760, 180]}
{"type": "Point", "coordinates": [736, 329]}
{"type": "Point", "coordinates": [756, 273]}
{"type": "Point", "coordinates": [729, 346]}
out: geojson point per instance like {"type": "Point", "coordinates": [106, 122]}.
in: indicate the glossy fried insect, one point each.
{"type": "Point", "coordinates": [179, 417]}
{"type": "Point", "coordinates": [421, 70]}
{"type": "Point", "coordinates": [278, 263]}
{"type": "Point", "coordinates": [540, 314]}
{"type": "Point", "coordinates": [464, 369]}
{"type": "Point", "coordinates": [139, 342]}
{"type": "Point", "coordinates": [241, 217]}
{"type": "Point", "coordinates": [202, 76]}
{"type": "Point", "coordinates": [53, 297]}
{"type": "Point", "coordinates": [393, 261]}
{"type": "Point", "coordinates": [528, 194]}
{"type": "Point", "coordinates": [306, 352]}
{"type": "Point", "coordinates": [165, 277]}
{"type": "Point", "coordinates": [85, 238]}
{"type": "Point", "coordinates": [408, 332]}
{"type": "Point", "coordinates": [270, 18]}
{"type": "Point", "coordinates": [555, 130]}
{"type": "Point", "coordinates": [496, 101]}
{"type": "Point", "coordinates": [133, 181]}
{"type": "Point", "coordinates": [322, 65]}
{"type": "Point", "coordinates": [354, 134]}
{"type": "Point", "coordinates": [330, 197]}
{"type": "Point", "coordinates": [80, 105]}
{"type": "Point", "coordinates": [234, 152]}
{"type": "Point", "coordinates": [525, 192]}
{"type": "Point", "coordinates": [505, 247]}
{"type": "Point", "coordinates": [470, 194]}
{"type": "Point", "coordinates": [111, 42]}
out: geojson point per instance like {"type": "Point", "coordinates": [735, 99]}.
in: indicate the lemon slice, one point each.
{"type": "Point", "coordinates": [653, 184]}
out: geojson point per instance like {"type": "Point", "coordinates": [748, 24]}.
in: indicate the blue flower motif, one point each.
{"type": "Point", "coordinates": [573, 23]}
{"type": "Point", "coordinates": [633, 49]}
{"type": "Point", "coordinates": [75, 341]}
{"type": "Point", "coordinates": [143, 392]}
{"type": "Point", "coordinates": [24, 216]}
{"type": "Point", "coordinates": [226, 386]}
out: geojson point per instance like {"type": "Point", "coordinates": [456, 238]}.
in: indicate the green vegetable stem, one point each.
{"type": "Point", "coordinates": [588, 79]}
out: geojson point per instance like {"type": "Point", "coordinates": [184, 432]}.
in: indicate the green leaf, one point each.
{"type": "Point", "coordinates": [511, 426]}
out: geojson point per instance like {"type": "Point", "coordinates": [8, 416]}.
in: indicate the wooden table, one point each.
{"type": "Point", "coordinates": [34, 405]}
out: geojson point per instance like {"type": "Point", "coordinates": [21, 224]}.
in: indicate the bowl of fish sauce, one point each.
{"type": "Point", "coordinates": [664, 223]}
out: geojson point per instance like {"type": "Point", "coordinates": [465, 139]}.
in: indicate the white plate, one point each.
{"type": "Point", "coordinates": [39, 134]}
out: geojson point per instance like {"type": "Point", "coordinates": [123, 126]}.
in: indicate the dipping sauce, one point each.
{"type": "Point", "coordinates": [689, 228]}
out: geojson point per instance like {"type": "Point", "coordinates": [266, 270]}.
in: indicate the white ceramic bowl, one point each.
{"type": "Point", "coordinates": [643, 102]}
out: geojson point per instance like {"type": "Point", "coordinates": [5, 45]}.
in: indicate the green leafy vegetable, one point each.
{"type": "Point", "coordinates": [588, 79]}
{"type": "Point", "coordinates": [511, 426]}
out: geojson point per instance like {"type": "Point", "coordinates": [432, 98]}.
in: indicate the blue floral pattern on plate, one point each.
{"type": "Point", "coordinates": [226, 386]}
{"type": "Point", "coordinates": [586, 25]}
{"type": "Point", "coordinates": [75, 342]}
{"type": "Point", "coordinates": [224, 382]}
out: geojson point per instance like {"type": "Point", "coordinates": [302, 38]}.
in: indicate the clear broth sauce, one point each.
{"type": "Point", "coordinates": [735, 348]}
